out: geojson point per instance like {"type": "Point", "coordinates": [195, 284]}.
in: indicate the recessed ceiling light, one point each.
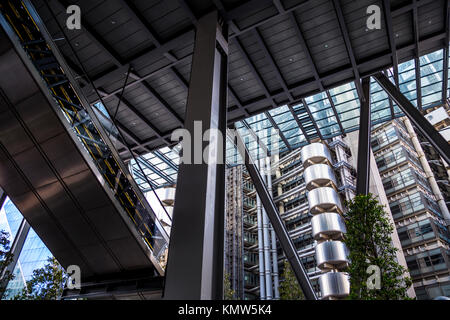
{"type": "Point", "coordinates": [367, 29]}
{"type": "Point", "coordinates": [77, 44]}
{"type": "Point", "coordinates": [290, 59]}
{"type": "Point", "coordinates": [156, 114]}
{"type": "Point", "coordinates": [242, 79]}
{"type": "Point", "coordinates": [133, 123]}
{"type": "Point", "coordinates": [113, 22]}
{"type": "Point", "coordinates": [326, 46]}
{"type": "Point", "coordinates": [396, 35]}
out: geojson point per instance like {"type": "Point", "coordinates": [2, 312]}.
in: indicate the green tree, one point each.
{"type": "Point", "coordinates": [5, 259]}
{"type": "Point", "coordinates": [368, 239]}
{"type": "Point", "coordinates": [289, 288]}
{"type": "Point", "coordinates": [47, 283]}
{"type": "Point", "coordinates": [228, 293]}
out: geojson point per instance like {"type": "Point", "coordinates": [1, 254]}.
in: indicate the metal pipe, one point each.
{"type": "Point", "coordinates": [262, 282]}
{"type": "Point", "coordinates": [344, 171]}
{"type": "Point", "coordinates": [267, 245]}
{"type": "Point", "coordinates": [428, 172]}
{"type": "Point", "coordinates": [276, 282]}
{"type": "Point", "coordinates": [286, 242]}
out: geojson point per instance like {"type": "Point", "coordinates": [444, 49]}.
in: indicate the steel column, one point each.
{"type": "Point", "coordinates": [280, 229]}
{"type": "Point", "coordinates": [416, 117]}
{"type": "Point", "coordinates": [363, 166]}
{"type": "Point", "coordinates": [195, 261]}
{"type": "Point", "coordinates": [2, 197]}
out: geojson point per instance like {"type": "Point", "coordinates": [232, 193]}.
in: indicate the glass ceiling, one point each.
{"type": "Point", "coordinates": [323, 115]}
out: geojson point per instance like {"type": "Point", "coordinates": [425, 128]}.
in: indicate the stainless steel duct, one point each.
{"type": "Point", "coordinates": [328, 226]}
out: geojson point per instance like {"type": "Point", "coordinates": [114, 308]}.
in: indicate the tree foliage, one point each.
{"type": "Point", "coordinates": [228, 293]}
{"type": "Point", "coordinates": [5, 259]}
{"type": "Point", "coordinates": [368, 239]}
{"type": "Point", "coordinates": [47, 283]}
{"type": "Point", "coordinates": [289, 287]}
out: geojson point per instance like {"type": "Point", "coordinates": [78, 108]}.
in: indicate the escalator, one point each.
{"type": "Point", "coordinates": [58, 163]}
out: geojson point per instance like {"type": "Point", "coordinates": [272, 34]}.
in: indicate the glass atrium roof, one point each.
{"type": "Point", "coordinates": [324, 115]}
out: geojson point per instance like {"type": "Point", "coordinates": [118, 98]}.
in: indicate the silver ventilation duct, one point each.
{"type": "Point", "coordinates": [328, 227]}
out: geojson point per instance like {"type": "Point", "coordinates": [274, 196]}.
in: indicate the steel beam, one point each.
{"type": "Point", "coordinates": [416, 117]}
{"type": "Point", "coordinates": [195, 262]}
{"type": "Point", "coordinates": [166, 160]}
{"type": "Point", "coordinates": [348, 45]}
{"type": "Point", "coordinates": [236, 99]}
{"type": "Point", "coordinates": [363, 165]}
{"type": "Point", "coordinates": [336, 115]}
{"type": "Point", "coordinates": [312, 119]}
{"type": "Point", "coordinates": [391, 105]}
{"type": "Point", "coordinates": [272, 63]}
{"type": "Point", "coordinates": [300, 125]}
{"type": "Point", "coordinates": [305, 48]}
{"type": "Point", "coordinates": [446, 44]}
{"type": "Point", "coordinates": [417, 51]}
{"type": "Point", "coordinates": [277, 223]}
{"type": "Point", "coordinates": [390, 33]}
{"type": "Point", "coordinates": [2, 197]}
{"type": "Point", "coordinates": [154, 169]}
{"type": "Point", "coordinates": [155, 95]}
{"type": "Point", "coordinates": [256, 137]}
{"type": "Point", "coordinates": [276, 127]}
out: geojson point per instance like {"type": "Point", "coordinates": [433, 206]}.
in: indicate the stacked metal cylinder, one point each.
{"type": "Point", "coordinates": [328, 227]}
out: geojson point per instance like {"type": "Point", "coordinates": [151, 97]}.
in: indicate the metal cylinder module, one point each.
{"type": "Point", "coordinates": [328, 227]}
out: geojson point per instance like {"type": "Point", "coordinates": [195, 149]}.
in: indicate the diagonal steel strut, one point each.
{"type": "Point", "coordinates": [280, 229]}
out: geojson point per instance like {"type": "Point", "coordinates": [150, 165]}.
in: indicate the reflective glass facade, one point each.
{"type": "Point", "coordinates": [34, 254]}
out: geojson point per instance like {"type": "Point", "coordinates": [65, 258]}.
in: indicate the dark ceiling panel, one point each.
{"type": "Point", "coordinates": [157, 39]}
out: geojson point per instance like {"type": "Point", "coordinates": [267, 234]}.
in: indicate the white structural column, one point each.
{"type": "Point", "coordinates": [266, 240]}
{"type": "Point", "coordinates": [262, 281]}
{"type": "Point", "coordinates": [428, 172]}
{"type": "Point", "coordinates": [376, 188]}
{"type": "Point", "coordinates": [273, 250]}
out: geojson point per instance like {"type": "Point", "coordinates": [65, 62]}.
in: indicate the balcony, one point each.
{"type": "Point", "coordinates": [250, 221]}
{"type": "Point", "coordinates": [250, 239]}
{"type": "Point", "coordinates": [250, 259]}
